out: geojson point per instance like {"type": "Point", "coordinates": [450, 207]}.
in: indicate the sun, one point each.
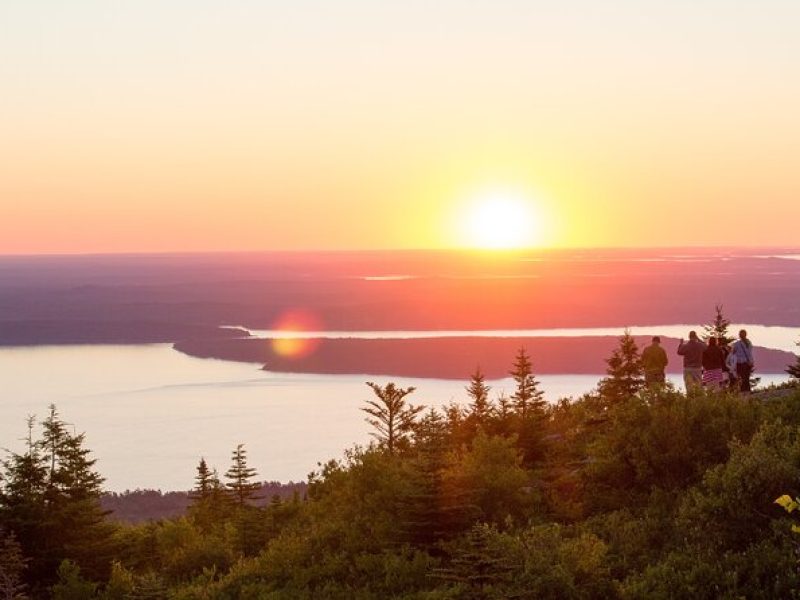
{"type": "Point", "coordinates": [501, 221]}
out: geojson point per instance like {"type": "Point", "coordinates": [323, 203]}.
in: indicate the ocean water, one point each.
{"type": "Point", "coordinates": [150, 412]}
{"type": "Point", "coordinates": [776, 337]}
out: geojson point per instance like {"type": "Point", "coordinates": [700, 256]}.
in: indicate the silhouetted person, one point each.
{"type": "Point", "coordinates": [692, 353]}
{"type": "Point", "coordinates": [729, 368]}
{"type": "Point", "coordinates": [713, 365]}
{"type": "Point", "coordinates": [654, 361]}
{"type": "Point", "coordinates": [743, 351]}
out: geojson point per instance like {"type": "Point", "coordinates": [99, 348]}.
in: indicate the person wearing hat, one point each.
{"type": "Point", "coordinates": [654, 362]}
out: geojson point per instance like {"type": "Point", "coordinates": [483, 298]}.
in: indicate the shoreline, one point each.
{"type": "Point", "coordinates": [453, 358]}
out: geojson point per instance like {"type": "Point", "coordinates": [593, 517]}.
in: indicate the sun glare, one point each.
{"type": "Point", "coordinates": [501, 222]}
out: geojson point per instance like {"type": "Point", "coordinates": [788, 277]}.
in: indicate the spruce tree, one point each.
{"type": "Point", "coordinates": [203, 482]}
{"type": "Point", "coordinates": [504, 412]}
{"type": "Point", "coordinates": [718, 328]}
{"type": "Point", "coordinates": [392, 418]}
{"type": "Point", "coordinates": [209, 499]}
{"type": "Point", "coordinates": [420, 511]}
{"type": "Point", "coordinates": [240, 486]}
{"type": "Point", "coordinates": [480, 407]}
{"type": "Point", "coordinates": [625, 372]}
{"type": "Point", "coordinates": [528, 399]}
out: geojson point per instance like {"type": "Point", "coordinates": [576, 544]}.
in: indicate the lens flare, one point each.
{"type": "Point", "coordinates": [292, 330]}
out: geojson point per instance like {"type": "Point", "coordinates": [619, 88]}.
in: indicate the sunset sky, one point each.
{"type": "Point", "coordinates": [172, 125]}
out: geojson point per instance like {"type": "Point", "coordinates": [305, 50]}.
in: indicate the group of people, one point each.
{"type": "Point", "coordinates": [713, 364]}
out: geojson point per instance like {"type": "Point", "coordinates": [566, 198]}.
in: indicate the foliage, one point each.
{"type": "Point", "coordinates": [664, 440]}
{"type": "Point", "coordinates": [50, 502]}
{"type": "Point", "coordinates": [479, 409]}
{"type": "Point", "coordinates": [718, 328]}
{"type": "Point", "coordinates": [625, 374]}
{"type": "Point", "coordinates": [528, 398]}
{"type": "Point", "coordinates": [12, 566]}
{"type": "Point", "coordinates": [392, 418]}
{"type": "Point", "coordinates": [653, 495]}
{"type": "Point", "coordinates": [794, 369]}
{"type": "Point", "coordinates": [242, 489]}
{"type": "Point", "coordinates": [71, 584]}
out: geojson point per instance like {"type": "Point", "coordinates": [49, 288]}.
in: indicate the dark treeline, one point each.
{"type": "Point", "coordinates": [628, 492]}
{"type": "Point", "coordinates": [136, 506]}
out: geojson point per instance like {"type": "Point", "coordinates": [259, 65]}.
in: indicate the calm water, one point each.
{"type": "Point", "coordinates": [779, 338]}
{"type": "Point", "coordinates": [150, 412]}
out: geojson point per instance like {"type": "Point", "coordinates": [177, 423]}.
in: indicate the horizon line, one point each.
{"type": "Point", "coordinates": [452, 250]}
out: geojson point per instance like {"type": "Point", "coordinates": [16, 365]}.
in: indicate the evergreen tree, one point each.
{"type": "Point", "coordinates": [476, 567]}
{"type": "Point", "coordinates": [430, 432]}
{"type": "Point", "coordinates": [22, 507]}
{"type": "Point", "coordinates": [426, 515]}
{"type": "Point", "coordinates": [528, 399]}
{"type": "Point", "coordinates": [625, 372]}
{"type": "Point", "coordinates": [51, 501]}
{"type": "Point", "coordinates": [203, 482]}
{"type": "Point", "coordinates": [718, 328]}
{"type": "Point", "coordinates": [392, 417]}
{"type": "Point", "coordinates": [504, 412]}
{"type": "Point", "coordinates": [241, 488]}
{"type": "Point", "coordinates": [12, 566]}
{"type": "Point", "coordinates": [480, 407]}
{"type": "Point", "coordinates": [209, 499]}
{"type": "Point", "coordinates": [794, 370]}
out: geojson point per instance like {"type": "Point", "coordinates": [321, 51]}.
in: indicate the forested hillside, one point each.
{"type": "Point", "coordinates": [629, 492]}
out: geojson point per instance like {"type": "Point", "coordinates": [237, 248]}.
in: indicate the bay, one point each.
{"type": "Point", "coordinates": [150, 412]}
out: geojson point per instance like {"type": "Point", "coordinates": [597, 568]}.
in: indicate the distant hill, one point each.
{"type": "Point", "coordinates": [138, 506]}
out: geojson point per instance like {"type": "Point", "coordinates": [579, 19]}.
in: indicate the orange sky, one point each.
{"type": "Point", "coordinates": [183, 126]}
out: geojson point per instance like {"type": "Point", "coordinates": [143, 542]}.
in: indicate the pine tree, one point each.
{"type": "Point", "coordinates": [528, 399]}
{"type": "Point", "coordinates": [625, 372]}
{"type": "Point", "coordinates": [392, 418]}
{"type": "Point", "coordinates": [718, 328]}
{"type": "Point", "coordinates": [241, 488]}
{"type": "Point", "coordinates": [480, 407]}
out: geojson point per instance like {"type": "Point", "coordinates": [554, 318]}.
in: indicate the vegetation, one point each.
{"type": "Point", "coordinates": [794, 369]}
{"type": "Point", "coordinates": [718, 328]}
{"type": "Point", "coordinates": [629, 492]}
